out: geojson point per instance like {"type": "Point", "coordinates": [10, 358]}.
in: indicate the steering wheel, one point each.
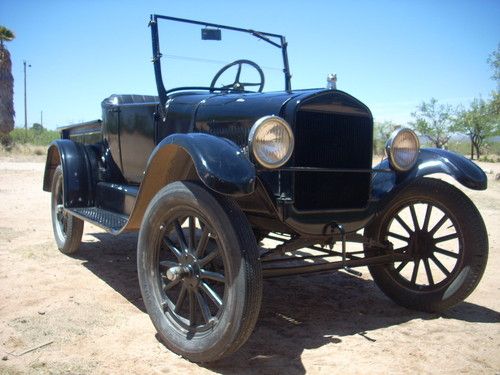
{"type": "Point", "coordinates": [237, 85]}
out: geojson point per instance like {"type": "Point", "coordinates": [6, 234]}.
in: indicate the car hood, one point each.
{"type": "Point", "coordinates": [231, 115]}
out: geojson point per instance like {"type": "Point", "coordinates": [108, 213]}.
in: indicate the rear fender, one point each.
{"type": "Point", "coordinates": [75, 162]}
{"type": "Point", "coordinates": [430, 161]}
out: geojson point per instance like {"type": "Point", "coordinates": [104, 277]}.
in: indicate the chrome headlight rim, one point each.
{"type": "Point", "coordinates": [391, 147]}
{"type": "Point", "coordinates": [254, 131]}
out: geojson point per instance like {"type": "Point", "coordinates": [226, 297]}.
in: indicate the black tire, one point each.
{"type": "Point", "coordinates": [220, 304]}
{"type": "Point", "coordinates": [445, 262]}
{"type": "Point", "coordinates": [67, 229]}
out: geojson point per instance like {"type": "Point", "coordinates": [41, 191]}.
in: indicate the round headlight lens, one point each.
{"type": "Point", "coordinates": [271, 141]}
{"type": "Point", "coordinates": [402, 149]}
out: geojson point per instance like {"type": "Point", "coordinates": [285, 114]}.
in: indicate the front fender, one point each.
{"type": "Point", "coordinates": [430, 161]}
{"type": "Point", "coordinates": [220, 164]}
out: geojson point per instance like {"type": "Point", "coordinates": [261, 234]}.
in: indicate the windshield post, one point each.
{"type": "Point", "coordinates": [156, 60]}
{"type": "Point", "coordinates": [286, 68]}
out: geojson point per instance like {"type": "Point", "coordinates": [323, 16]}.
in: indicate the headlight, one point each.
{"type": "Point", "coordinates": [271, 141]}
{"type": "Point", "coordinates": [402, 149]}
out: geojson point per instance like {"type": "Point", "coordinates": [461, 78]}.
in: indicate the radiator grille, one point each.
{"type": "Point", "coordinates": [329, 140]}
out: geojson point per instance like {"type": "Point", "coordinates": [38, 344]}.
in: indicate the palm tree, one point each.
{"type": "Point", "coordinates": [6, 83]}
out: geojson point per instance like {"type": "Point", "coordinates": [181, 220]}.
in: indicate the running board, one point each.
{"type": "Point", "coordinates": [107, 220]}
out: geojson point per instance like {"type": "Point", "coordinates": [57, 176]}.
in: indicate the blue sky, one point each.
{"type": "Point", "coordinates": [389, 54]}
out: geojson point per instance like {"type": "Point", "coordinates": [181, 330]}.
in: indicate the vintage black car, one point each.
{"type": "Point", "coordinates": [205, 173]}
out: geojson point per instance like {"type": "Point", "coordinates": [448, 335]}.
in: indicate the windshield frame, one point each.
{"type": "Point", "coordinates": [268, 37]}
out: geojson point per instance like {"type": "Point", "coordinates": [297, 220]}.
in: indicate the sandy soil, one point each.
{"type": "Point", "coordinates": [84, 314]}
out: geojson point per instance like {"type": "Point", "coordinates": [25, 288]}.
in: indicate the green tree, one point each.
{"type": "Point", "coordinates": [6, 83]}
{"type": "Point", "coordinates": [381, 132]}
{"type": "Point", "coordinates": [495, 105]}
{"type": "Point", "coordinates": [435, 121]}
{"type": "Point", "coordinates": [478, 122]}
{"type": "Point", "coordinates": [38, 128]}
{"type": "Point", "coordinates": [494, 61]}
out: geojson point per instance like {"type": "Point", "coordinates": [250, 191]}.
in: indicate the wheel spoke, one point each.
{"type": "Point", "coordinates": [180, 235]}
{"type": "Point", "coordinates": [425, 226]}
{"type": "Point", "coordinates": [414, 217]}
{"type": "Point", "coordinates": [440, 265]}
{"type": "Point", "coordinates": [172, 247]}
{"type": "Point", "coordinates": [205, 311]}
{"type": "Point", "coordinates": [208, 258]}
{"type": "Point", "coordinates": [415, 272]}
{"type": "Point", "coordinates": [202, 244]}
{"type": "Point", "coordinates": [192, 309]}
{"type": "Point", "coordinates": [180, 299]}
{"type": "Point", "coordinates": [212, 276]}
{"type": "Point", "coordinates": [192, 228]}
{"type": "Point", "coordinates": [401, 266]}
{"type": "Point", "coordinates": [446, 238]}
{"type": "Point", "coordinates": [438, 225]}
{"type": "Point", "coordinates": [249, 84]}
{"type": "Point", "coordinates": [238, 73]}
{"type": "Point", "coordinates": [398, 236]}
{"type": "Point", "coordinates": [403, 224]}
{"type": "Point", "coordinates": [212, 294]}
{"type": "Point", "coordinates": [428, 271]}
{"type": "Point", "coordinates": [171, 284]}
{"type": "Point", "coordinates": [445, 252]}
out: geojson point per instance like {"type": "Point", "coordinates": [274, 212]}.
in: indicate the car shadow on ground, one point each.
{"type": "Point", "coordinates": [297, 313]}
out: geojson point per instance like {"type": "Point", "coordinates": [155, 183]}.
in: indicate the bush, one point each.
{"type": "Point", "coordinates": [34, 136]}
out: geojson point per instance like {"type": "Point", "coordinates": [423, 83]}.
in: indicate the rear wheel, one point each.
{"type": "Point", "coordinates": [445, 240]}
{"type": "Point", "coordinates": [67, 229]}
{"type": "Point", "coordinates": [199, 272]}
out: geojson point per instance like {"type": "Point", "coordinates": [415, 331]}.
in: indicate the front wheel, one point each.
{"type": "Point", "coordinates": [444, 239]}
{"type": "Point", "coordinates": [198, 271]}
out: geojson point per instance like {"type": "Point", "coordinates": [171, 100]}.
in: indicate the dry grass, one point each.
{"type": "Point", "coordinates": [24, 152]}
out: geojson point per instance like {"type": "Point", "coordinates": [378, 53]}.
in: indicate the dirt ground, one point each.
{"type": "Point", "coordinates": [84, 314]}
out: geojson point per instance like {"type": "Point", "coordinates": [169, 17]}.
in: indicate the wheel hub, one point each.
{"type": "Point", "coordinates": [187, 271]}
{"type": "Point", "coordinates": [177, 272]}
{"type": "Point", "coordinates": [421, 244]}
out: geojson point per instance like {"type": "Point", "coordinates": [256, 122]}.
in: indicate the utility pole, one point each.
{"type": "Point", "coordinates": [25, 105]}
{"type": "Point", "coordinates": [41, 118]}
